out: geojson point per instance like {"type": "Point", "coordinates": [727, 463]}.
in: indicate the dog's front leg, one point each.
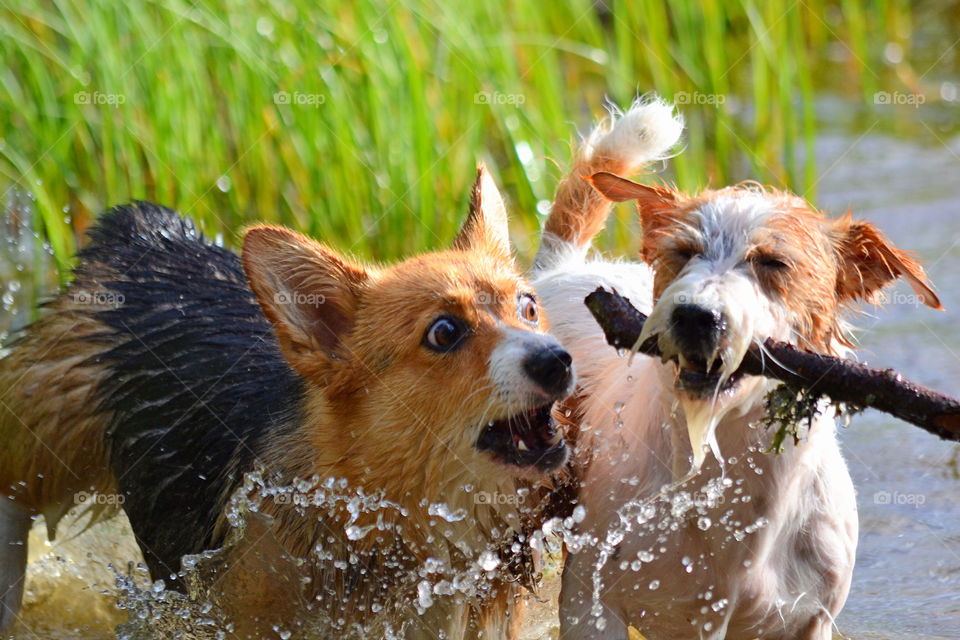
{"type": "Point", "coordinates": [577, 617]}
{"type": "Point", "coordinates": [14, 529]}
{"type": "Point", "coordinates": [443, 619]}
{"type": "Point", "coordinates": [819, 628]}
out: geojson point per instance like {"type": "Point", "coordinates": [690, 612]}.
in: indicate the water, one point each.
{"type": "Point", "coordinates": [25, 262]}
{"type": "Point", "coordinates": [907, 580]}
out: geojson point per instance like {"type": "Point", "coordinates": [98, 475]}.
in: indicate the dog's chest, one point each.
{"type": "Point", "coordinates": [763, 548]}
{"type": "Point", "coordinates": [722, 589]}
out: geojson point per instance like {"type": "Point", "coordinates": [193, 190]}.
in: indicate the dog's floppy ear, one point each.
{"type": "Point", "coordinates": [486, 226]}
{"type": "Point", "coordinates": [655, 203]}
{"type": "Point", "coordinates": [306, 290]}
{"type": "Point", "coordinates": [869, 262]}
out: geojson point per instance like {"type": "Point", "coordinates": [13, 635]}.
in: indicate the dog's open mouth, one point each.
{"type": "Point", "coordinates": [529, 439]}
{"type": "Point", "coordinates": [696, 378]}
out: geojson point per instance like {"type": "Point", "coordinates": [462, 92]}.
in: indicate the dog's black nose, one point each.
{"type": "Point", "coordinates": [550, 367]}
{"type": "Point", "coordinates": [696, 329]}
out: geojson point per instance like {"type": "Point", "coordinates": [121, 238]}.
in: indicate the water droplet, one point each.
{"type": "Point", "coordinates": [443, 511]}
{"type": "Point", "coordinates": [703, 523]}
{"type": "Point", "coordinates": [265, 26]}
{"type": "Point", "coordinates": [489, 561]}
{"type": "Point", "coordinates": [524, 152]}
{"type": "Point", "coordinates": [356, 533]}
{"type": "Point", "coordinates": [654, 585]}
{"type": "Point", "coordinates": [424, 594]}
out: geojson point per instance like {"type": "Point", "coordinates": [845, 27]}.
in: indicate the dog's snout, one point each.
{"type": "Point", "coordinates": [551, 367]}
{"type": "Point", "coordinates": [696, 329]}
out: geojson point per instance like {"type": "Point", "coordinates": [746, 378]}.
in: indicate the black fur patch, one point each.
{"type": "Point", "coordinates": [196, 380]}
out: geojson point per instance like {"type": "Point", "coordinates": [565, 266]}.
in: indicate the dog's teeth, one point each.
{"type": "Point", "coordinates": [522, 446]}
{"type": "Point", "coordinates": [555, 439]}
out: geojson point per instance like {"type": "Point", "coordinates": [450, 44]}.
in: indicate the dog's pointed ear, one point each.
{"type": "Point", "coordinates": [869, 262]}
{"type": "Point", "coordinates": [655, 204]}
{"type": "Point", "coordinates": [306, 290]}
{"type": "Point", "coordinates": [487, 225]}
{"type": "Point", "coordinates": [653, 198]}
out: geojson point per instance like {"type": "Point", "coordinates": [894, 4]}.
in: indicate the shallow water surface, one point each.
{"type": "Point", "coordinates": [907, 580]}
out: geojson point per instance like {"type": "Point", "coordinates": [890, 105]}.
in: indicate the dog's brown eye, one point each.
{"type": "Point", "coordinates": [772, 263]}
{"type": "Point", "coordinates": [529, 310]}
{"type": "Point", "coordinates": [685, 254]}
{"type": "Point", "coordinates": [445, 334]}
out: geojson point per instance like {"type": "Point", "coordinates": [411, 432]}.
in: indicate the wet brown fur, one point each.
{"type": "Point", "coordinates": [48, 382]}
{"type": "Point", "coordinates": [832, 262]}
{"type": "Point", "coordinates": [381, 411]}
{"type": "Point", "coordinates": [579, 211]}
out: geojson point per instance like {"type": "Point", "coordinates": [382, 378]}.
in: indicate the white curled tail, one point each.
{"type": "Point", "coordinates": [623, 144]}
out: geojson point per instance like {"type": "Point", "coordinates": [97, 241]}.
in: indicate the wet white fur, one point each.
{"type": "Point", "coordinates": [782, 558]}
{"type": "Point", "coordinates": [721, 280]}
{"type": "Point", "coordinates": [643, 134]}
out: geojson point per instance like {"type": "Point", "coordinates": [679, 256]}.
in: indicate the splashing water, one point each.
{"type": "Point", "coordinates": [26, 264]}
{"type": "Point", "coordinates": [350, 553]}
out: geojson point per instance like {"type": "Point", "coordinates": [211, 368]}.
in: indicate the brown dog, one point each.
{"type": "Point", "coordinates": [403, 403]}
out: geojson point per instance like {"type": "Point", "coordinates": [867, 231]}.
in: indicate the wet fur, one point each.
{"type": "Point", "coordinates": [787, 572]}
{"type": "Point", "coordinates": [190, 382]}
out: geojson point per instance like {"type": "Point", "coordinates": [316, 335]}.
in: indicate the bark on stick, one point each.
{"type": "Point", "coordinates": [839, 379]}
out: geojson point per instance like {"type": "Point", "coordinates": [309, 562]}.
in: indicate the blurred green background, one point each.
{"type": "Point", "coordinates": [361, 122]}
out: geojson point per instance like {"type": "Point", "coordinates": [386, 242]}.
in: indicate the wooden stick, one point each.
{"type": "Point", "coordinates": [840, 379]}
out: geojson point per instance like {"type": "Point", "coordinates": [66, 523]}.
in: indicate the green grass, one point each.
{"type": "Point", "coordinates": [381, 161]}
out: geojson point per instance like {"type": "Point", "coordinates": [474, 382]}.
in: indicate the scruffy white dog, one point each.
{"type": "Point", "coordinates": [691, 529]}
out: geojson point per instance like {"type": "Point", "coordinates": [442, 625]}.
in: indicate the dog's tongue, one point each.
{"type": "Point", "coordinates": [702, 417]}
